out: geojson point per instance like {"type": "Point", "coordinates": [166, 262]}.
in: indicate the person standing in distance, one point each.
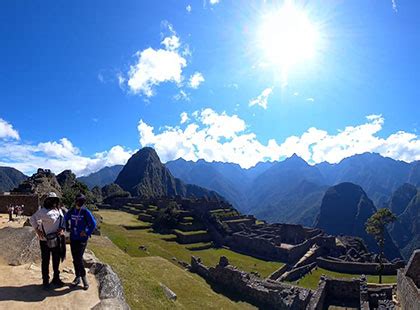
{"type": "Point", "coordinates": [81, 223]}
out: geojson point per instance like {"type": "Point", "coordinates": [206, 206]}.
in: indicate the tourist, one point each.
{"type": "Point", "coordinates": [81, 223]}
{"type": "Point", "coordinates": [10, 209]}
{"type": "Point", "coordinates": [48, 223]}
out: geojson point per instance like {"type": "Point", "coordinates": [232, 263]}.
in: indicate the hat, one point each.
{"type": "Point", "coordinates": [52, 195]}
{"type": "Point", "coordinates": [80, 197]}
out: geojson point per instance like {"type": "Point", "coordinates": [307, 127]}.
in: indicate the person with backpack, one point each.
{"type": "Point", "coordinates": [81, 224]}
{"type": "Point", "coordinates": [48, 223]}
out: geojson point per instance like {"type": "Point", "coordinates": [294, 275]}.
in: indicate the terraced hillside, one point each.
{"type": "Point", "coordinates": [137, 239]}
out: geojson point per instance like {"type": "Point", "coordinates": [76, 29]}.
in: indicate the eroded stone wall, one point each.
{"type": "Point", "coordinates": [30, 202]}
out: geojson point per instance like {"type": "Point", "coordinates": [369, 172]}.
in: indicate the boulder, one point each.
{"type": "Point", "coordinates": [111, 304]}
{"type": "Point", "coordinates": [110, 285]}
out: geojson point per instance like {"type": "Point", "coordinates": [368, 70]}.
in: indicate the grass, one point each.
{"type": "Point", "coordinates": [166, 247]}
{"type": "Point", "coordinates": [141, 278]}
{"type": "Point", "coordinates": [311, 279]}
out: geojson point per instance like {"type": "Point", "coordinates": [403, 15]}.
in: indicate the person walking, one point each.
{"type": "Point", "coordinates": [81, 223]}
{"type": "Point", "coordinates": [48, 223]}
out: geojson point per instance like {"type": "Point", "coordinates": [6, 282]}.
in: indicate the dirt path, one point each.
{"type": "Point", "coordinates": [20, 287]}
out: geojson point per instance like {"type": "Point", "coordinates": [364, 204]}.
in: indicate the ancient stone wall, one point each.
{"type": "Point", "coordinates": [30, 202]}
{"type": "Point", "coordinates": [408, 291]}
{"type": "Point", "coordinates": [355, 267]}
{"type": "Point", "coordinates": [263, 293]}
{"type": "Point", "coordinates": [297, 273]}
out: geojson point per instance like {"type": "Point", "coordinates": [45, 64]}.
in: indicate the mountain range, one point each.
{"type": "Point", "coordinates": [290, 190]}
{"type": "Point", "coordinates": [10, 178]}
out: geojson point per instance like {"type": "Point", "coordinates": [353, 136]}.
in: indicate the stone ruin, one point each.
{"type": "Point", "coordinates": [408, 283]}
{"type": "Point", "coordinates": [263, 293]}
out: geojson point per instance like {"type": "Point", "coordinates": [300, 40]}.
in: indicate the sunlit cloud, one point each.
{"type": "Point", "coordinates": [262, 99]}
{"type": "Point", "coordinates": [221, 137]}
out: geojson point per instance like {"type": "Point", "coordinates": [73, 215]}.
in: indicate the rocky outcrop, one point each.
{"type": "Point", "coordinates": [111, 291]}
{"type": "Point", "coordinates": [144, 175]}
{"type": "Point", "coordinates": [40, 183]}
{"type": "Point", "coordinates": [345, 209]}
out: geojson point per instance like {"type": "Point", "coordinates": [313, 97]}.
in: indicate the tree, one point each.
{"type": "Point", "coordinates": [375, 226]}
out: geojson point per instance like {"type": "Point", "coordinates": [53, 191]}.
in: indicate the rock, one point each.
{"type": "Point", "coordinates": [223, 262]}
{"type": "Point", "coordinates": [110, 285]}
{"type": "Point", "coordinates": [144, 248]}
{"type": "Point", "coordinates": [89, 259]}
{"type": "Point", "coordinates": [68, 270]}
{"type": "Point", "coordinates": [19, 246]}
{"type": "Point", "coordinates": [111, 304]}
{"type": "Point", "coordinates": [168, 292]}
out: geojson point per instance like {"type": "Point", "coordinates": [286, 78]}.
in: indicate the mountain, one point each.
{"type": "Point", "coordinates": [105, 176]}
{"type": "Point", "coordinates": [144, 175]}
{"type": "Point", "coordinates": [344, 210]}
{"type": "Point", "coordinates": [379, 176]}
{"type": "Point", "coordinates": [277, 191]}
{"type": "Point", "coordinates": [10, 178]}
{"type": "Point", "coordinates": [405, 203]}
{"type": "Point", "coordinates": [223, 178]}
{"type": "Point", "coordinates": [291, 190]}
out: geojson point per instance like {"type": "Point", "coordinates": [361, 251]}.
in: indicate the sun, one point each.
{"type": "Point", "coordinates": [287, 37]}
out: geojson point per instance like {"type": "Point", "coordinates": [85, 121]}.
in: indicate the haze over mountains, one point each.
{"type": "Point", "coordinates": [291, 190]}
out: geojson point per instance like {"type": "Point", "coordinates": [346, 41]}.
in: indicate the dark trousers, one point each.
{"type": "Point", "coordinates": [46, 252]}
{"type": "Point", "coordinates": [77, 249]}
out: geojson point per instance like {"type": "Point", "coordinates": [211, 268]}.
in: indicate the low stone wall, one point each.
{"type": "Point", "coordinates": [262, 293]}
{"type": "Point", "coordinates": [297, 273]}
{"type": "Point", "coordinates": [111, 292]}
{"type": "Point", "coordinates": [30, 202]}
{"type": "Point", "coordinates": [279, 272]}
{"type": "Point", "coordinates": [355, 267]}
{"type": "Point", "coordinates": [192, 238]}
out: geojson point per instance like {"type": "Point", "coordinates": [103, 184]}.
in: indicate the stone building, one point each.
{"type": "Point", "coordinates": [30, 201]}
{"type": "Point", "coordinates": [408, 284]}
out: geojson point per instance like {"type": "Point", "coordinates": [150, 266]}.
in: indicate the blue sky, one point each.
{"type": "Point", "coordinates": [79, 78]}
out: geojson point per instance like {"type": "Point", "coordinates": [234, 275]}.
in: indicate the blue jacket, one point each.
{"type": "Point", "coordinates": [78, 221]}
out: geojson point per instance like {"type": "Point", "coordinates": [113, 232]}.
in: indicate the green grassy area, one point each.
{"type": "Point", "coordinates": [141, 278]}
{"type": "Point", "coordinates": [165, 245]}
{"type": "Point", "coordinates": [311, 280]}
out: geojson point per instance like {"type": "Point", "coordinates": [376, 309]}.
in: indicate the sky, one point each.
{"type": "Point", "coordinates": [84, 84]}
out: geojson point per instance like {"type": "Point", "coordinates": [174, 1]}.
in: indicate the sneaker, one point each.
{"type": "Point", "coordinates": [85, 283]}
{"type": "Point", "coordinates": [76, 281]}
{"type": "Point", "coordinates": [57, 282]}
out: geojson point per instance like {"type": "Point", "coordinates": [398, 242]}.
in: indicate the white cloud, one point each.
{"type": "Point", "coordinates": [310, 99]}
{"type": "Point", "coordinates": [57, 156]}
{"type": "Point", "coordinates": [262, 99]}
{"type": "Point", "coordinates": [156, 66]}
{"type": "Point", "coordinates": [171, 43]}
{"type": "Point", "coordinates": [221, 137]}
{"type": "Point", "coordinates": [213, 2]}
{"type": "Point", "coordinates": [7, 131]}
{"type": "Point", "coordinates": [394, 6]}
{"type": "Point", "coordinates": [195, 80]}
{"type": "Point", "coordinates": [182, 95]}
{"type": "Point", "coordinates": [188, 8]}
{"type": "Point", "coordinates": [184, 117]}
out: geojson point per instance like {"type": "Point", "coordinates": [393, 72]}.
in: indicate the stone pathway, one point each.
{"type": "Point", "coordinates": [20, 286]}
